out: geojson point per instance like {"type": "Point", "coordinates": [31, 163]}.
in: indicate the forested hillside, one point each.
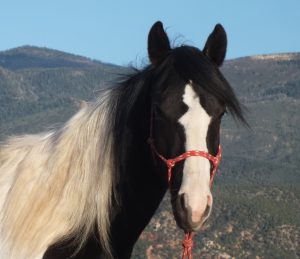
{"type": "Point", "coordinates": [40, 87]}
{"type": "Point", "coordinates": [257, 189]}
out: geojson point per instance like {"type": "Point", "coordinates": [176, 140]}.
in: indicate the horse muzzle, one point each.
{"type": "Point", "coordinates": [189, 217]}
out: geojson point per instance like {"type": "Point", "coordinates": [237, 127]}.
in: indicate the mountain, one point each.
{"type": "Point", "coordinates": [39, 87]}
{"type": "Point", "coordinates": [256, 192]}
{"type": "Point", "coordinates": [269, 86]}
{"type": "Point", "coordinates": [33, 57]}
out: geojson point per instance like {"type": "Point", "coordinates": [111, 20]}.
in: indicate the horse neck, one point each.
{"type": "Point", "coordinates": [142, 185]}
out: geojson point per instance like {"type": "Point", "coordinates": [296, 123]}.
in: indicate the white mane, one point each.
{"type": "Point", "coordinates": [57, 183]}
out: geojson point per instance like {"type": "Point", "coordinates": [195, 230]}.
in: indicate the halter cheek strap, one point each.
{"type": "Point", "coordinates": [187, 242]}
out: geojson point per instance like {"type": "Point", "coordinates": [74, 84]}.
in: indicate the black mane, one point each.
{"type": "Point", "coordinates": [185, 63]}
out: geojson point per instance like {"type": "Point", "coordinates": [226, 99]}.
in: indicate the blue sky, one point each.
{"type": "Point", "coordinates": [116, 31]}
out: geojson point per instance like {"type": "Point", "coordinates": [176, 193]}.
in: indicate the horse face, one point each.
{"type": "Point", "coordinates": [187, 117]}
{"type": "Point", "coordinates": [192, 203]}
{"type": "Point", "coordinates": [189, 121]}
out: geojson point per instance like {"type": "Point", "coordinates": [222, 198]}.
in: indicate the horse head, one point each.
{"type": "Point", "coordinates": [189, 99]}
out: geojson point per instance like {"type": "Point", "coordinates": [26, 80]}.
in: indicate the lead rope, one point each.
{"type": "Point", "coordinates": [188, 244]}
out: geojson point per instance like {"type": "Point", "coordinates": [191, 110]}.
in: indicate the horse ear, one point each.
{"type": "Point", "coordinates": [158, 43]}
{"type": "Point", "coordinates": [216, 44]}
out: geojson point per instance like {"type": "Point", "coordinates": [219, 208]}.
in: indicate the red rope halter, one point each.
{"type": "Point", "coordinates": [187, 242]}
{"type": "Point", "coordinates": [172, 161]}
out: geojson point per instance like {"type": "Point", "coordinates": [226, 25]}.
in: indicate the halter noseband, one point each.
{"type": "Point", "coordinates": [172, 161]}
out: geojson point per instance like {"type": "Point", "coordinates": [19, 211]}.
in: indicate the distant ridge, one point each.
{"type": "Point", "coordinates": [288, 56]}
{"type": "Point", "coordinates": [279, 56]}
{"type": "Point", "coordinates": [40, 51]}
{"type": "Point", "coordinates": [41, 57]}
{"type": "Point", "coordinates": [31, 56]}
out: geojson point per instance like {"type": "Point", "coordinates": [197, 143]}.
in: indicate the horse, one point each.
{"type": "Point", "coordinates": [90, 187]}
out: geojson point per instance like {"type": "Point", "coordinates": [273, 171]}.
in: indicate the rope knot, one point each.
{"type": "Point", "coordinates": [187, 244]}
{"type": "Point", "coordinates": [171, 163]}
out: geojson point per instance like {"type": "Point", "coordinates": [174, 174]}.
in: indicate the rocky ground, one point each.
{"type": "Point", "coordinates": [243, 230]}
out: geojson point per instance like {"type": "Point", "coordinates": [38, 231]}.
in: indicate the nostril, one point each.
{"type": "Point", "coordinates": [209, 200]}
{"type": "Point", "coordinates": [207, 211]}
{"type": "Point", "coordinates": [183, 201]}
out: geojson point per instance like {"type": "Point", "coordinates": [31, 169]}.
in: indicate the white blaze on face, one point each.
{"type": "Point", "coordinates": [196, 171]}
